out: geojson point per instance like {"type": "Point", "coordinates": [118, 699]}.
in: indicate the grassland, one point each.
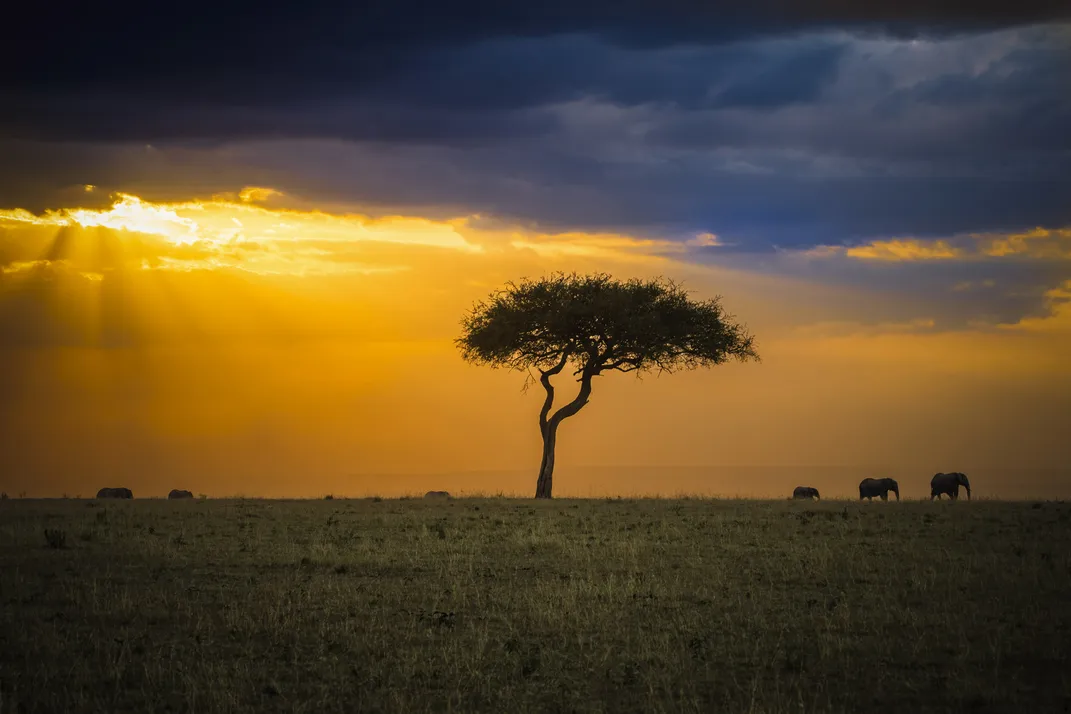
{"type": "Point", "coordinates": [515, 606]}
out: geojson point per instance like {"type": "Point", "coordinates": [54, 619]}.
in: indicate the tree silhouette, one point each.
{"type": "Point", "coordinates": [595, 324]}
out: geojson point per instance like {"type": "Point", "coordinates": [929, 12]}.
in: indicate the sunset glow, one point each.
{"type": "Point", "coordinates": [259, 289]}
{"type": "Point", "coordinates": [342, 333]}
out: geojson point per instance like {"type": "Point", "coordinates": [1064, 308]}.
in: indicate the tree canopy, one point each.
{"type": "Point", "coordinates": [598, 324]}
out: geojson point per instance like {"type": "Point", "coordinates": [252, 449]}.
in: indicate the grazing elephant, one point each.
{"type": "Point", "coordinates": [437, 494]}
{"type": "Point", "coordinates": [870, 487]}
{"type": "Point", "coordinates": [177, 493]}
{"type": "Point", "coordinates": [115, 493]}
{"type": "Point", "coordinates": [806, 492]}
{"type": "Point", "coordinates": [949, 483]}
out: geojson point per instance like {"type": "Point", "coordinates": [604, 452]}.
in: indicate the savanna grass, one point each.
{"type": "Point", "coordinates": [514, 606]}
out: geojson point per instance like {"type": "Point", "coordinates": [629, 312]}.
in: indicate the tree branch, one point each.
{"type": "Point", "coordinates": [581, 398]}
{"type": "Point", "coordinates": [544, 379]}
{"type": "Point", "coordinates": [629, 364]}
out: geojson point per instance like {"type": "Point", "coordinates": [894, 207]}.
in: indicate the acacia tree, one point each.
{"type": "Point", "coordinates": [594, 324]}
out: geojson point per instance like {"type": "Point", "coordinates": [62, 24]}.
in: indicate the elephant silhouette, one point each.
{"type": "Point", "coordinates": [949, 484]}
{"type": "Point", "coordinates": [870, 487]}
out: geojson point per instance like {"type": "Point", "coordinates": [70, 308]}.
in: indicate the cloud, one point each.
{"type": "Point", "coordinates": [217, 229]}
{"type": "Point", "coordinates": [1040, 243]}
{"type": "Point", "coordinates": [216, 50]}
{"type": "Point", "coordinates": [856, 329]}
{"type": "Point", "coordinates": [976, 282]}
{"type": "Point", "coordinates": [766, 138]}
{"type": "Point", "coordinates": [904, 250]}
{"type": "Point", "coordinates": [224, 269]}
{"type": "Point", "coordinates": [1058, 302]}
{"type": "Point", "coordinates": [1035, 244]}
{"type": "Point", "coordinates": [795, 79]}
{"type": "Point", "coordinates": [257, 194]}
{"type": "Point", "coordinates": [705, 240]}
{"type": "Point", "coordinates": [599, 187]}
{"type": "Point", "coordinates": [492, 90]}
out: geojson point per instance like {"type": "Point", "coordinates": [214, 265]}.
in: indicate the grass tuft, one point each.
{"type": "Point", "coordinates": [55, 538]}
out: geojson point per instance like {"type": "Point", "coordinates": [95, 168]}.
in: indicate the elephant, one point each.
{"type": "Point", "coordinates": [115, 493]}
{"type": "Point", "coordinates": [437, 494]}
{"type": "Point", "coordinates": [806, 492]}
{"type": "Point", "coordinates": [177, 494]}
{"type": "Point", "coordinates": [870, 487]}
{"type": "Point", "coordinates": [949, 483]}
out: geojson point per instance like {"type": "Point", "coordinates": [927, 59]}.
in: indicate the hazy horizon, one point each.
{"type": "Point", "coordinates": [633, 481]}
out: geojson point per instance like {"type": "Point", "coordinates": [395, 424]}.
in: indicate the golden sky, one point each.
{"type": "Point", "coordinates": [252, 343]}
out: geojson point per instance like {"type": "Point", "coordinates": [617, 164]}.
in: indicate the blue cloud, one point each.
{"type": "Point", "coordinates": [793, 79]}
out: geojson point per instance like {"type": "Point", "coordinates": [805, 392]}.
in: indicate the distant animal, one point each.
{"type": "Point", "coordinates": [115, 493]}
{"type": "Point", "coordinates": [178, 493]}
{"type": "Point", "coordinates": [870, 487]}
{"type": "Point", "coordinates": [437, 494]}
{"type": "Point", "coordinates": [949, 484]}
{"type": "Point", "coordinates": [3, 496]}
{"type": "Point", "coordinates": [806, 492]}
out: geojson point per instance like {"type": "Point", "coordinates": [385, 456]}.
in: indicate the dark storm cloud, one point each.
{"type": "Point", "coordinates": [1018, 102]}
{"type": "Point", "coordinates": [491, 92]}
{"type": "Point", "coordinates": [563, 184]}
{"type": "Point", "coordinates": [519, 73]}
{"type": "Point", "coordinates": [798, 78]}
{"type": "Point", "coordinates": [776, 127]}
{"type": "Point", "coordinates": [770, 202]}
{"type": "Point", "coordinates": [219, 58]}
{"type": "Point", "coordinates": [316, 43]}
{"type": "Point", "coordinates": [113, 118]}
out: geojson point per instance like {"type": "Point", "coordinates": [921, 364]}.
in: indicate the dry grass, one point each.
{"type": "Point", "coordinates": [500, 605]}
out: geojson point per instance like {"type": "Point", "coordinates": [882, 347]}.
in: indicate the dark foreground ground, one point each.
{"type": "Point", "coordinates": [513, 606]}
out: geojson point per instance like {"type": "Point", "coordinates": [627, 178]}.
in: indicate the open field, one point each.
{"type": "Point", "coordinates": [513, 606]}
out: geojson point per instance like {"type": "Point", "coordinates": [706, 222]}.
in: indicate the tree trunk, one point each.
{"type": "Point", "coordinates": [546, 468]}
{"type": "Point", "coordinates": [549, 428]}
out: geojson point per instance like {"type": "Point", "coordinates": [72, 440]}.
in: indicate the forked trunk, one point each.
{"type": "Point", "coordinates": [548, 427]}
{"type": "Point", "coordinates": [545, 483]}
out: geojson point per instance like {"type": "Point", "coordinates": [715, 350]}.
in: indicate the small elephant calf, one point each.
{"type": "Point", "coordinates": [437, 494]}
{"type": "Point", "coordinates": [806, 493]}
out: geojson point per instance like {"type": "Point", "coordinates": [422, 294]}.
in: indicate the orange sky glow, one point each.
{"type": "Point", "coordinates": [250, 343]}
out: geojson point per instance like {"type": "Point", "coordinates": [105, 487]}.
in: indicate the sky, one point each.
{"type": "Point", "coordinates": [236, 246]}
